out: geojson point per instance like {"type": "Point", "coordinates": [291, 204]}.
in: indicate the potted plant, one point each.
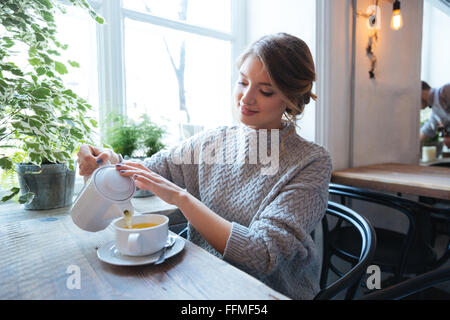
{"type": "Point", "coordinates": [151, 135]}
{"type": "Point", "coordinates": [42, 123]}
{"type": "Point", "coordinates": [122, 135]}
{"type": "Point", "coordinates": [137, 141]}
{"type": "Point", "coordinates": [150, 143]}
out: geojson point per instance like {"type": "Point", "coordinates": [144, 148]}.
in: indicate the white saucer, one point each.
{"type": "Point", "coordinates": [109, 254]}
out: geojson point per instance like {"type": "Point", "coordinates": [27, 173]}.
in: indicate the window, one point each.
{"type": "Point", "coordinates": [77, 30]}
{"type": "Point", "coordinates": [172, 60]}
{"type": "Point", "coordinates": [213, 14]}
{"type": "Point", "coordinates": [179, 76]}
{"type": "Point", "coordinates": [435, 47]}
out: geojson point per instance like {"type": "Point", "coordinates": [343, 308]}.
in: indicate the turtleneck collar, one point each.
{"type": "Point", "coordinates": [286, 127]}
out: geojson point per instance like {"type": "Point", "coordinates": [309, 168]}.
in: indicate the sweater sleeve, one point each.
{"type": "Point", "coordinates": [429, 128]}
{"type": "Point", "coordinates": [282, 230]}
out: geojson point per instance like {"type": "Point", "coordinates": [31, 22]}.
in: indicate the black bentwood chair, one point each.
{"type": "Point", "coordinates": [367, 240]}
{"type": "Point", "coordinates": [439, 221]}
{"type": "Point", "coordinates": [396, 253]}
{"type": "Point", "coordinates": [412, 286]}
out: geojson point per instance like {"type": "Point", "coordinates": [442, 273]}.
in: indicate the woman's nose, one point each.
{"type": "Point", "coordinates": [248, 97]}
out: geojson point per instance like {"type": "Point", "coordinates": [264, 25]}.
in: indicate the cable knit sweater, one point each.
{"type": "Point", "coordinates": [272, 213]}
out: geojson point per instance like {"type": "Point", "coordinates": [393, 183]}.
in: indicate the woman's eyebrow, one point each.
{"type": "Point", "coordinates": [260, 83]}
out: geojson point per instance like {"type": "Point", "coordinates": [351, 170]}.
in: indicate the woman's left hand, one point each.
{"type": "Point", "coordinates": [148, 180]}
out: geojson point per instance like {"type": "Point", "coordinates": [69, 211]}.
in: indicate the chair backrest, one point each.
{"type": "Point", "coordinates": [411, 286]}
{"type": "Point", "coordinates": [368, 244]}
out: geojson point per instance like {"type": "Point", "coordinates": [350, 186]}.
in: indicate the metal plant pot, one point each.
{"type": "Point", "coordinates": [52, 185]}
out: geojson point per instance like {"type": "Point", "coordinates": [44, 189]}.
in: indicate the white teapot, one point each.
{"type": "Point", "coordinates": [105, 196]}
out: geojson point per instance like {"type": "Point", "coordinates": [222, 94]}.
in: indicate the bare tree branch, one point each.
{"type": "Point", "coordinates": [179, 71]}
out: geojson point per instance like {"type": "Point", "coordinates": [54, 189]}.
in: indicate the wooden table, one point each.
{"type": "Point", "coordinates": [397, 177]}
{"type": "Point", "coordinates": [38, 250]}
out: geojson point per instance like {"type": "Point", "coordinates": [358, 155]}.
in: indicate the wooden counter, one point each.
{"type": "Point", "coordinates": [397, 177]}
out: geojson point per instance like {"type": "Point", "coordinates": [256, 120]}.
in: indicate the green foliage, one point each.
{"type": "Point", "coordinates": [151, 135]}
{"type": "Point", "coordinates": [122, 135]}
{"type": "Point", "coordinates": [41, 121]}
{"type": "Point", "coordinates": [126, 137]}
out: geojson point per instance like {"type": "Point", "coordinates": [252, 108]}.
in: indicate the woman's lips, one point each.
{"type": "Point", "coordinates": [247, 112]}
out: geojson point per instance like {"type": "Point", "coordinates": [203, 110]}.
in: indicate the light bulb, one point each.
{"type": "Point", "coordinates": [397, 20]}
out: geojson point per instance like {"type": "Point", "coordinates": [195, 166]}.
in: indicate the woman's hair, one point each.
{"type": "Point", "coordinates": [290, 67]}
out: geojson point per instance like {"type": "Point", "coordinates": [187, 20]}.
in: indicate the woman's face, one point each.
{"type": "Point", "coordinates": [259, 103]}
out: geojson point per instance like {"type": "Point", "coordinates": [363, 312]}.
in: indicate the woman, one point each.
{"type": "Point", "coordinates": [260, 222]}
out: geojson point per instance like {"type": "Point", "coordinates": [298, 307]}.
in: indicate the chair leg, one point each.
{"type": "Point", "coordinates": [324, 271]}
{"type": "Point", "coordinates": [353, 290]}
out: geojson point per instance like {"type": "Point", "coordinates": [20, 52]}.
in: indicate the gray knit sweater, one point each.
{"type": "Point", "coordinates": [273, 212]}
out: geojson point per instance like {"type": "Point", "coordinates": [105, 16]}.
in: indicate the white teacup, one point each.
{"type": "Point", "coordinates": [141, 241]}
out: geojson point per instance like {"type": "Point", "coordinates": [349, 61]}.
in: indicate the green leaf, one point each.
{"type": "Point", "coordinates": [26, 198]}
{"type": "Point", "coordinates": [13, 191]}
{"type": "Point", "coordinates": [60, 68]}
{"type": "Point", "coordinates": [18, 125]}
{"type": "Point", "coordinates": [35, 158]}
{"type": "Point", "coordinates": [46, 3]}
{"type": "Point", "coordinates": [47, 16]}
{"type": "Point", "coordinates": [32, 145]}
{"type": "Point", "coordinates": [6, 163]}
{"type": "Point", "coordinates": [70, 93]}
{"type": "Point", "coordinates": [76, 133]}
{"type": "Point", "coordinates": [8, 42]}
{"type": "Point", "coordinates": [17, 72]}
{"type": "Point", "coordinates": [41, 93]}
{"type": "Point", "coordinates": [99, 20]}
{"type": "Point", "coordinates": [39, 37]}
{"type": "Point", "coordinates": [74, 64]}
{"type": "Point", "coordinates": [35, 61]}
{"type": "Point", "coordinates": [35, 122]}
{"type": "Point", "coordinates": [93, 122]}
{"type": "Point", "coordinates": [40, 110]}
{"type": "Point", "coordinates": [40, 71]}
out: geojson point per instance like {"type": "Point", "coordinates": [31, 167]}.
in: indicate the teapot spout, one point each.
{"type": "Point", "coordinates": [126, 208]}
{"type": "Point", "coordinates": [117, 210]}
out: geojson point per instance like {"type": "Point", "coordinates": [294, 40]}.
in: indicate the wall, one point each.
{"type": "Point", "coordinates": [386, 120]}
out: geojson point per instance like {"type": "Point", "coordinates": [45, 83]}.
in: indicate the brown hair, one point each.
{"type": "Point", "coordinates": [425, 86]}
{"type": "Point", "coordinates": [290, 66]}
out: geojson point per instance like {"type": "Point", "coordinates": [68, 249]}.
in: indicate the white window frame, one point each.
{"type": "Point", "coordinates": [110, 40]}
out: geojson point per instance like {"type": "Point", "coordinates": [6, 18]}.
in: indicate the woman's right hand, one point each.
{"type": "Point", "coordinates": [90, 158]}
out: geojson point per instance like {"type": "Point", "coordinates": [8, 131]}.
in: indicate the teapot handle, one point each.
{"type": "Point", "coordinates": [86, 178]}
